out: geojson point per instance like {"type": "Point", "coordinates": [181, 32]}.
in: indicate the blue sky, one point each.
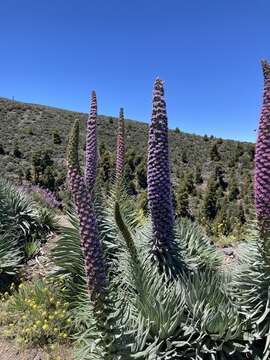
{"type": "Point", "coordinates": [208, 53]}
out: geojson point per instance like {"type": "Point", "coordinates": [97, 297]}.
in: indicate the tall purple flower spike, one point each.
{"type": "Point", "coordinates": [262, 156]}
{"type": "Point", "coordinates": [120, 147]}
{"type": "Point", "coordinates": [158, 175]}
{"type": "Point", "coordinates": [91, 145]}
{"type": "Point", "coordinates": [90, 244]}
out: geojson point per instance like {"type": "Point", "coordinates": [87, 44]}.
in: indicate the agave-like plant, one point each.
{"type": "Point", "coordinates": [126, 306]}
{"type": "Point", "coordinates": [23, 225]}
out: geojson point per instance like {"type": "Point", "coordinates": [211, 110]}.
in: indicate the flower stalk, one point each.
{"type": "Point", "coordinates": [262, 158]}
{"type": "Point", "coordinates": [93, 255]}
{"type": "Point", "coordinates": [120, 147]}
{"type": "Point", "coordinates": [158, 176]}
{"type": "Point", "coordinates": [91, 145]}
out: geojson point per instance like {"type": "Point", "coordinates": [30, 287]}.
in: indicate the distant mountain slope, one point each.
{"type": "Point", "coordinates": [211, 177]}
{"type": "Point", "coordinates": [30, 127]}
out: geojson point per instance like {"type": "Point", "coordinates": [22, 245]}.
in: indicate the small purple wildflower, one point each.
{"type": "Point", "coordinates": [47, 195]}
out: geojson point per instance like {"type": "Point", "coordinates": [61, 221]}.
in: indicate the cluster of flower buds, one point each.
{"type": "Point", "coordinates": [95, 268]}
{"type": "Point", "coordinates": [158, 175]}
{"type": "Point", "coordinates": [262, 156]}
{"type": "Point", "coordinates": [120, 147]}
{"type": "Point", "coordinates": [91, 145]}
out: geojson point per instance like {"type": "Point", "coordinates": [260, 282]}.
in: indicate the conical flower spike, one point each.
{"type": "Point", "coordinates": [158, 175]}
{"type": "Point", "coordinates": [90, 244]}
{"type": "Point", "coordinates": [262, 156]}
{"type": "Point", "coordinates": [91, 145]}
{"type": "Point", "coordinates": [120, 147]}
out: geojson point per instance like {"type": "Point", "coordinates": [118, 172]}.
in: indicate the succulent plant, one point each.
{"type": "Point", "coordinates": [120, 147]}
{"type": "Point", "coordinates": [158, 175]}
{"type": "Point", "coordinates": [91, 145]}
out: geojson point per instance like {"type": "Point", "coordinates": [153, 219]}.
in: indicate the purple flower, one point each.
{"type": "Point", "coordinates": [158, 175]}
{"type": "Point", "coordinates": [91, 145]}
{"type": "Point", "coordinates": [93, 255]}
{"type": "Point", "coordinates": [120, 147]}
{"type": "Point", "coordinates": [262, 155]}
{"type": "Point", "coordinates": [47, 195]}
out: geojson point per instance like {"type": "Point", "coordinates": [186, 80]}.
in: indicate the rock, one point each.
{"type": "Point", "coordinates": [228, 251]}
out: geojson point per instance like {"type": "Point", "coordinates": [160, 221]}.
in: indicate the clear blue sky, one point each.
{"type": "Point", "coordinates": [208, 53]}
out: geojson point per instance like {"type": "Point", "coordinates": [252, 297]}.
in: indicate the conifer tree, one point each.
{"type": "Point", "coordinates": [183, 210]}
{"type": "Point", "coordinates": [214, 154]}
{"type": "Point", "coordinates": [209, 208]}
{"type": "Point", "coordinates": [198, 175]}
{"type": "Point", "coordinates": [233, 187]}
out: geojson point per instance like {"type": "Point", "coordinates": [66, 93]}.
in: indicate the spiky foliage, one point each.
{"type": "Point", "coordinates": [68, 257]}
{"type": "Point", "coordinates": [189, 318]}
{"type": "Point", "coordinates": [251, 288]}
{"type": "Point", "coordinates": [19, 213]}
{"type": "Point", "coordinates": [197, 250]}
{"type": "Point", "coordinates": [120, 147]}
{"type": "Point", "coordinates": [158, 176]}
{"type": "Point", "coordinates": [262, 169]}
{"type": "Point", "coordinates": [11, 255]}
{"type": "Point", "coordinates": [91, 145]}
{"type": "Point", "coordinates": [217, 327]}
{"type": "Point", "coordinates": [143, 312]}
{"type": "Point", "coordinates": [22, 223]}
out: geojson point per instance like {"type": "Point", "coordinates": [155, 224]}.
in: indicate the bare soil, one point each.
{"type": "Point", "coordinates": [9, 351]}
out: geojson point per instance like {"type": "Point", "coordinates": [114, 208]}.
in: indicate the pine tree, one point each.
{"type": "Point", "coordinates": [233, 187]}
{"type": "Point", "coordinates": [241, 214]}
{"type": "Point", "coordinates": [214, 154]}
{"type": "Point", "coordinates": [219, 177]}
{"type": "Point", "coordinates": [189, 183]}
{"type": "Point", "coordinates": [56, 138]}
{"type": "Point", "coordinates": [28, 175]}
{"type": "Point", "coordinates": [141, 175]}
{"type": "Point", "coordinates": [184, 157]}
{"type": "Point", "coordinates": [209, 208]}
{"type": "Point", "coordinates": [105, 166]}
{"type": "Point", "coordinates": [198, 175]}
{"type": "Point", "coordinates": [183, 202]}
{"type": "Point", "coordinates": [2, 151]}
{"type": "Point", "coordinates": [48, 178]}
{"type": "Point", "coordinates": [17, 152]}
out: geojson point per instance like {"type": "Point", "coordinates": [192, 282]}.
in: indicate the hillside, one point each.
{"type": "Point", "coordinates": [27, 129]}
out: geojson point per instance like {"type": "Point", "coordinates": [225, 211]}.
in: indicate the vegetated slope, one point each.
{"type": "Point", "coordinates": [28, 128]}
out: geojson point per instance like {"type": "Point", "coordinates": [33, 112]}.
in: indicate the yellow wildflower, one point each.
{"type": "Point", "coordinates": [45, 327]}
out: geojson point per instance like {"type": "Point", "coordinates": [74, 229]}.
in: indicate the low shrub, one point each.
{"type": "Point", "coordinates": [36, 314]}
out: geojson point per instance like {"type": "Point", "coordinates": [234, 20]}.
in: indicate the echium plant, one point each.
{"type": "Point", "coordinates": [262, 158]}
{"type": "Point", "coordinates": [158, 177]}
{"type": "Point", "coordinates": [120, 147]}
{"type": "Point", "coordinates": [93, 255]}
{"type": "Point", "coordinates": [91, 145]}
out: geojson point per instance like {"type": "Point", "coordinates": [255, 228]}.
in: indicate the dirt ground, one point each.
{"type": "Point", "coordinates": [8, 351]}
